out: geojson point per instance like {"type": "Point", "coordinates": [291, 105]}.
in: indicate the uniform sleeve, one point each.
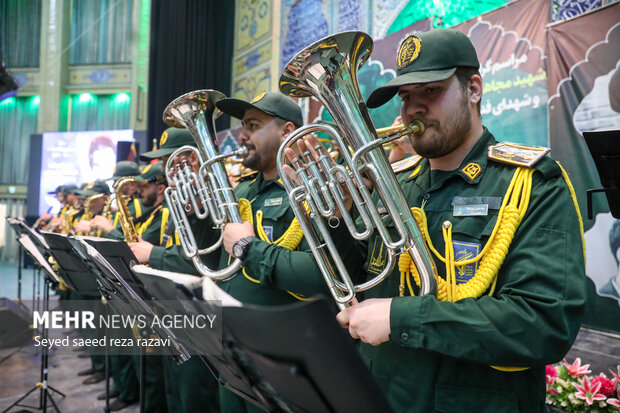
{"type": "Point", "coordinates": [116, 234]}
{"type": "Point", "coordinates": [171, 259]}
{"type": "Point", "coordinates": [535, 313]}
{"type": "Point", "coordinates": [286, 270]}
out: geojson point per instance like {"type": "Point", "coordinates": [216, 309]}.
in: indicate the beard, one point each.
{"type": "Point", "coordinates": [149, 199]}
{"type": "Point", "coordinates": [261, 160]}
{"type": "Point", "coordinates": [444, 138]}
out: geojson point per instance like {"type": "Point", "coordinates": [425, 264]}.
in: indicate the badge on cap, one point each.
{"type": "Point", "coordinates": [163, 139]}
{"type": "Point", "coordinates": [90, 185]}
{"type": "Point", "coordinates": [259, 97]}
{"type": "Point", "coordinates": [147, 167]}
{"type": "Point", "coordinates": [409, 51]}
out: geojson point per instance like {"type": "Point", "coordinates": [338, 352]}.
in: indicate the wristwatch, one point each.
{"type": "Point", "coordinates": [241, 247]}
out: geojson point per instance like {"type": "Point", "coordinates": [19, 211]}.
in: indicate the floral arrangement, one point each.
{"type": "Point", "coordinates": [570, 388]}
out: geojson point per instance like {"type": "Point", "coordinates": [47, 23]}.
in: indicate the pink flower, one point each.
{"type": "Point", "coordinates": [614, 402]}
{"type": "Point", "coordinates": [551, 371]}
{"type": "Point", "coordinates": [576, 369]}
{"type": "Point", "coordinates": [607, 386]}
{"type": "Point", "coordinates": [616, 378]}
{"type": "Point", "coordinates": [589, 391]}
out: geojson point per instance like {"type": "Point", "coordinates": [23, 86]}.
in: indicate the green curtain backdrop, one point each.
{"type": "Point", "coordinates": [452, 12]}
{"type": "Point", "coordinates": [18, 119]}
{"type": "Point", "coordinates": [99, 112]}
{"type": "Point", "coordinates": [20, 32]}
{"type": "Point", "coordinates": [100, 32]}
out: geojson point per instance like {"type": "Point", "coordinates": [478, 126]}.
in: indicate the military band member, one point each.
{"type": "Point", "coordinates": [516, 304]}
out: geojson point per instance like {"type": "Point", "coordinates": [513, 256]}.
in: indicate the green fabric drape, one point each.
{"type": "Point", "coordinates": [99, 112]}
{"type": "Point", "coordinates": [18, 120]}
{"type": "Point", "coordinates": [452, 12]}
{"type": "Point", "coordinates": [100, 32]}
{"type": "Point", "coordinates": [20, 32]}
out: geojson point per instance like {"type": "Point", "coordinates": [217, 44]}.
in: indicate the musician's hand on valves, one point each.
{"type": "Point", "coordinates": [141, 249]}
{"type": "Point", "coordinates": [102, 223]}
{"type": "Point", "coordinates": [82, 226]}
{"type": "Point", "coordinates": [369, 320]}
{"type": "Point", "coordinates": [233, 232]}
{"type": "Point", "coordinates": [306, 147]}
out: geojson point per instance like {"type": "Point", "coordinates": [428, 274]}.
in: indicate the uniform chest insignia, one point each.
{"type": "Point", "coordinates": [462, 252]}
{"type": "Point", "coordinates": [407, 163]}
{"type": "Point", "coordinates": [514, 154]}
{"type": "Point", "coordinates": [472, 170]}
{"type": "Point", "coordinates": [273, 202]}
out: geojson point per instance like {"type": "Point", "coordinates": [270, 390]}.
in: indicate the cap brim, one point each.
{"type": "Point", "coordinates": [149, 156]}
{"type": "Point", "coordinates": [234, 107]}
{"type": "Point", "coordinates": [383, 94]}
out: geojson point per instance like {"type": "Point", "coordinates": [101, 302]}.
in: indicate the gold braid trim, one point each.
{"type": "Point", "coordinates": [290, 239]}
{"type": "Point", "coordinates": [491, 257]}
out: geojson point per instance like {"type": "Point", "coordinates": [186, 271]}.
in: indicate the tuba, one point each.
{"type": "Point", "coordinates": [208, 191]}
{"type": "Point", "coordinates": [124, 217]}
{"type": "Point", "coordinates": [327, 70]}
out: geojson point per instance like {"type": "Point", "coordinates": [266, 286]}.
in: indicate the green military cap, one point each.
{"type": "Point", "coordinates": [68, 189]}
{"type": "Point", "coordinates": [152, 173]}
{"type": "Point", "coordinates": [171, 140]}
{"type": "Point", "coordinates": [58, 190]}
{"type": "Point", "coordinates": [272, 103]}
{"type": "Point", "coordinates": [125, 168]}
{"type": "Point", "coordinates": [427, 57]}
{"type": "Point", "coordinates": [93, 188]}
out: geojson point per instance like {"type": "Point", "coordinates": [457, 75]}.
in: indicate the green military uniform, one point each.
{"type": "Point", "coordinates": [271, 275]}
{"type": "Point", "coordinates": [189, 387]}
{"type": "Point", "coordinates": [508, 215]}
{"type": "Point", "coordinates": [440, 353]}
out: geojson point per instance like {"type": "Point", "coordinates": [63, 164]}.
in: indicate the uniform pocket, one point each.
{"type": "Point", "coordinates": [456, 399]}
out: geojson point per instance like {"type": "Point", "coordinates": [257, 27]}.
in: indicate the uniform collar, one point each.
{"type": "Point", "coordinates": [262, 184]}
{"type": "Point", "coordinates": [471, 169]}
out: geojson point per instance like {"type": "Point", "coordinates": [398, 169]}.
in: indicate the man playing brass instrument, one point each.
{"type": "Point", "coordinates": [507, 241]}
{"type": "Point", "coordinates": [278, 266]}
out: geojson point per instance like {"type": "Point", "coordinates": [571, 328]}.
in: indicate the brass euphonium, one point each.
{"type": "Point", "coordinates": [328, 70]}
{"type": "Point", "coordinates": [208, 191]}
{"type": "Point", "coordinates": [124, 217]}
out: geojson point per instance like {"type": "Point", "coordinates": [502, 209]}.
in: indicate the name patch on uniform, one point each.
{"type": "Point", "coordinates": [470, 210]}
{"type": "Point", "coordinates": [465, 251]}
{"type": "Point", "coordinates": [273, 202]}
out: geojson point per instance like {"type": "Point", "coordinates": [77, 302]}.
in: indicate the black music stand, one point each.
{"type": "Point", "coordinates": [292, 358]}
{"type": "Point", "coordinates": [605, 150]}
{"type": "Point", "coordinates": [36, 247]}
{"type": "Point", "coordinates": [124, 292]}
{"type": "Point", "coordinates": [301, 371]}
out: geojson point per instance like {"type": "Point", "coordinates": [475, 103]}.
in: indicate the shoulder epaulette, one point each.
{"type": "Point", "coordinates": [514, 154]}
{"type": "Point", "coordinates": [406, 164]}
{"type": "Point", "coordinates": [247, 176]}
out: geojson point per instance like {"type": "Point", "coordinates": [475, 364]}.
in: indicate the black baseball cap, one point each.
{"type": "Point", "coordinates": [171, 140]}
{"type": "Point", "coordinates": [272, 103]}
{"type": "Point", "coordinates": [427, 57]}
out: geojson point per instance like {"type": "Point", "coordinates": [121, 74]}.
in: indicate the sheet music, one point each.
{"type": "Point", "coordinates": [27, 243]}
{"type": "Point", "coordinates": [210, 291]}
